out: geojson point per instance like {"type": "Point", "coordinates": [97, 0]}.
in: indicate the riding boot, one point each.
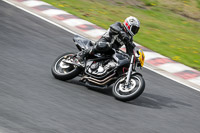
{"type": "Point", "coordinates": [82, 54]}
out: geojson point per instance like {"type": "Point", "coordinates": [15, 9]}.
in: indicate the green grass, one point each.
{"type": "Point", "coordinates": [163, 28]}
{"type": "Point", "coordinates": [150, 2]}
{"type": "Point", "coordinates": [198, 3]}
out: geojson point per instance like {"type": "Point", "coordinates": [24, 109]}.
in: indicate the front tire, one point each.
{"type": "Point", "coordinates": [134, 90]}
{"type": "Point", "coordinates": [63, 71]}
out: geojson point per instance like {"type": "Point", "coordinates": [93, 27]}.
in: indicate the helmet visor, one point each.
{"type": "Point", "coordinates": [135, 29]}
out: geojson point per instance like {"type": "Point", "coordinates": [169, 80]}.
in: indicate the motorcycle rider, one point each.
{"type": "Point", "coordinates": [115, 37]}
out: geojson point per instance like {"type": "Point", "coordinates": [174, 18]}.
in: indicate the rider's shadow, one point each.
{"type": "Point", "coordinates": [157, 101]}
{"type": "Point", "coordinates": [150, 100]}
{"type": "Point", "coordinates": [145, 100]}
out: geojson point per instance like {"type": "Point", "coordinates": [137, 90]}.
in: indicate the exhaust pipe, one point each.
{"type": "Point", "coordinates": [99, 82]}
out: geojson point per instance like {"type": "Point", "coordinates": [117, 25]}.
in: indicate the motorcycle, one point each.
{"type": "Point", "coordinates": [100, 70]}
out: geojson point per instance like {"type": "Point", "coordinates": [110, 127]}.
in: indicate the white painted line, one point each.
{"type": "Point", "coordinates": [54, 12]}
{"type": "Point", "coordinates": [33, 3]}
{"type": "Point", "coordinates": [96, 32]}
{"type": "Point", "coordinates": [197, 89]}
{"type": "Point", "coordinates": [42, 18]}
{"type": "Point", "coordinates": [152, 55]}
{"type": "Point", "coordinates": [78, 34]}
{"type": "Point", "coordinates": [195, 80]}
{"type": "Point", "coordinates": [76, 22]}
{"type": "Point", "coordinates": [174, 67]}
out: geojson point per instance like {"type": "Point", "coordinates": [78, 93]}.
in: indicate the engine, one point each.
{"type": "Point", "coordinates": [100, 68]}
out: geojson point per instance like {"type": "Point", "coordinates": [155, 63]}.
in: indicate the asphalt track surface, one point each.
{"type": "Point", "coordinates": [32, 101]}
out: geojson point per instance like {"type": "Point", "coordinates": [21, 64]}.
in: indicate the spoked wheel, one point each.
{"type": "Point", "coordinates": [62, 70]}
{"type": "Point", "coordinates": [124, 92]}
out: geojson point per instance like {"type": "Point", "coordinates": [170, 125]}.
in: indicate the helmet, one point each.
{"type": "Point", "coordinates": [132, 25]}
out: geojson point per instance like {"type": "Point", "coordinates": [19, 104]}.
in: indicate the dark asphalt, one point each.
{"type": "Point", "coordinates": [32, 101]}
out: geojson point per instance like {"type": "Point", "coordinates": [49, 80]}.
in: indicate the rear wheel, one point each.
{"type": "Point", "coordinates": [123, 92]}
{"type": "Point", "coordinates": [62, 70]}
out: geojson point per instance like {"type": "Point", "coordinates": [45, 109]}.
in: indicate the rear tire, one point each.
{"type": "Point", "coordinates": [63, 71]}
{"type": "Point", "coordinates": [136, 88]}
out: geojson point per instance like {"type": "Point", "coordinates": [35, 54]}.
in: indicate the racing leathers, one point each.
{"type": "Point", "coordinates": [115, 37]}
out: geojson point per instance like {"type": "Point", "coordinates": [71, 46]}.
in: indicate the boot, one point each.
{"type": "Point", "coordinates": [82, 54]}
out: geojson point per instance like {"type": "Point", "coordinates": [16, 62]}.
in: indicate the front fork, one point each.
{"type": "Point", "coordinates": [130, 70]}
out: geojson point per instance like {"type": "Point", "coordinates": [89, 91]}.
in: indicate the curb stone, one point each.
{"type": "Point", "coordinates": [156, 61]}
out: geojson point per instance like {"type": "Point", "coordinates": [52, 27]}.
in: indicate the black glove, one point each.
{"type": "Point", "coordinates": [124, 36]}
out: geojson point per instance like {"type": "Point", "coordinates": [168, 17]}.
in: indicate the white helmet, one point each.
{"type": "Point", "coordinates": [132, 25]}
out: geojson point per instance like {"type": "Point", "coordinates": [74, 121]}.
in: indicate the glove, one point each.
{"type": "Point", "coordinates": [124, 36]}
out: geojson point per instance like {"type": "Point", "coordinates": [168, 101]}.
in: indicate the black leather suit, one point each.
{"type": "Point", "coordinates": [115, 37]}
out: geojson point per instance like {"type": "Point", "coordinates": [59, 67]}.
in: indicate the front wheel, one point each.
{"type": "Point", "coordinates": [129, 92]}
{"type": "Point", "coordinates": [63, 71]}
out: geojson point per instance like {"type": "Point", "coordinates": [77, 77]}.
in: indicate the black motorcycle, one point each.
{"type": "Point", "coordinates": [100, 70]}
